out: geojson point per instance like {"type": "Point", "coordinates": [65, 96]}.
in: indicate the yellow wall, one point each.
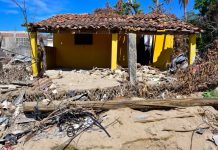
{"type": "Point", "coordinates": [83, 56]}
{"type": "Point", "coordinates": [99, 53]}
{"type": "Point", "coordinates": [88, 56]}
{"type": "Point", "coordinates": [163, 47]}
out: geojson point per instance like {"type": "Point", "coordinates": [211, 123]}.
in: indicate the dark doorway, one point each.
{"type": "Point", "coordinates": [144, 50]}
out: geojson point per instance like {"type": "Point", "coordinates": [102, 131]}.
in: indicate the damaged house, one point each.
{"type": "Point", "coordinates": [101, 39]}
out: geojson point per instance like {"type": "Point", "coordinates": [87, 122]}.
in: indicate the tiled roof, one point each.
{"type": "Point", "coordinates": [115, 22]}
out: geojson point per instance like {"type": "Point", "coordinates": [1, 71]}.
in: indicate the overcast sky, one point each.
{"type": "Point", "coordinates": [11, 17]}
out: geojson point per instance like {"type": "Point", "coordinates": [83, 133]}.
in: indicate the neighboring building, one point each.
{"type": "Point", "coordinates": [101, 39]}
{"type": "Point", "coordinates": [18, 41]}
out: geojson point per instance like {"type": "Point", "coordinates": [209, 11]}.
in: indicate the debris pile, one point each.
{"type": "Point", "coordinates": [145, 74]}
{"type": "Point", "coordinates": [32, 110]}
{"type": "Point", "coordinates": [152, 83]}
{"type": "Point", "coordinates": [102, 84]}
{"type": "Point", "coordinates": [201, 76]}
{"type": "Point", "coordinates": [13, 78]}
{"type": "Point", "coordinates": [22, 122]}
{"type": "Point", "coordinates": [16, 72]}
{"type": "Point", "coordinates": [15, 124]}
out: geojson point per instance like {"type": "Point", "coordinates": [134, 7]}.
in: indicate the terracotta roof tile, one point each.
{"type": "Point", "coordinates": [114, 22]}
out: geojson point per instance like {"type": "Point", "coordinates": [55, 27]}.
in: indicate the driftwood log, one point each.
{"type": "Point", "coordinates": [114, 104]}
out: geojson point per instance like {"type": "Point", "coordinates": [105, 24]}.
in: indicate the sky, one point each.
{"type": "Point", "coordinates": [11, 17]}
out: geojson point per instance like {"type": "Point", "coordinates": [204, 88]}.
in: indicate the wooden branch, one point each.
{"type": "Point", "coordinates": [159, 118]}
{"type": "Point", "coordinates": [134, 104]}
{"type": "Point", "coordinates": [184, 130]}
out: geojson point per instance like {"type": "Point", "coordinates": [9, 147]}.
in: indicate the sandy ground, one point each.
{"type": "Point", "coordinates": [70, 80]}
{"type": "Point", "coordinates": [162, 130]}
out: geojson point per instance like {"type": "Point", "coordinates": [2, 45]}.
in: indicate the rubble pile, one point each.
{"type": "Point", "coordinates": [119, 74]}
{"type": "Point", "coordinates": [64, 121]}
{"type": "Point", "coordinates": [211, 55]}
{"type": "Point", "coordinates": [201, 76]}
{"type": "Point", "coordinates": [49, 120]}
{"type": "Point", "coordinates": [16, 72]}
{"type": "Point", "coordinates": [102, 94]}
{"type": "Point", "coordinates": [145, 74]}
{"type": "Point", "coordinates": [57, 114]}
{"type": "Point", "coordinates": [152, 83]}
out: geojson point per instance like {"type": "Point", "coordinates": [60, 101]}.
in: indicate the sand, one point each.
{"type": "Point", "coordinates": [71, 80]}
{"type": "Point", "coordinates": [172, 130]}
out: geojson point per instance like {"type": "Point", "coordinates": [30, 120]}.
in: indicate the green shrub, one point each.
{"type": "Point", "coordinates": [210, 94]}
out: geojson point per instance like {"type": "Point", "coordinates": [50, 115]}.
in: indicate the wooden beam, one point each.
{"type": "Point", "coordinates": [115, 104]}
{"type": "Point", "coordinates": [33, 42]}
{"type": "Point", "coordinates": [114, 46]}
{"type": "Point", "coordinates": [132, 57]}
{"type": "Point", "coordinates": [192, 48]}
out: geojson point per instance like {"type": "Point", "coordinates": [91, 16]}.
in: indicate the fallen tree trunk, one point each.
{"type": "Point", "coordinates": [134, 104]}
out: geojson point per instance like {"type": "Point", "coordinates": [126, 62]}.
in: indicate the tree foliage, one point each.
{"type": "Point", "coordinates": [207, 19]}
{"type": "Point", "coordinates": [128, 7]}
{"type": "Point", "coordinates": [204, 6]}
{"type": "Point", "coordinates": [159, 6]}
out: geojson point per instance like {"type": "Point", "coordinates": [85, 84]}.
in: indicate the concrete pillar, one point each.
{"type": "Point", "coordinates": [192, 48]}
{"type": "Point", "coordinates": [114, 47]}
{"type": "Point", "coordinates": [34, 48]}
{"type": "Point", "coordinates": [132, 57]}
